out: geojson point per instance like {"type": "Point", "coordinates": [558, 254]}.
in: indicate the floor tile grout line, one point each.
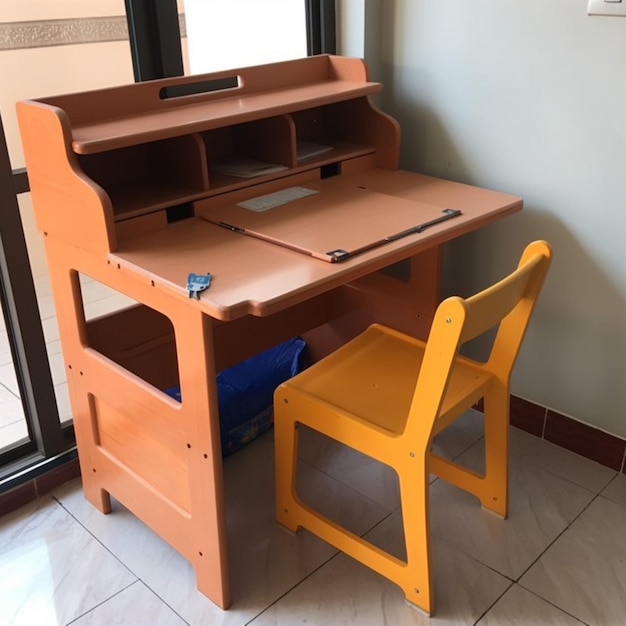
{"type": "Point", "coordinates": [521, 457]}
{"type": "Point", "coordinates": [496, 600]}
{"type": "Point", "coordinates": [544, 423]}
{"type": "Point", "coordinates": [389, 512]}
{"type": "Point", "coordinates": [137, 577]}
{"type": "Point", "coordinates": [553, 605]}
{"type": "Point", "coordinates": [167, 604]}
{"type": "Point", "coordinates": [336, 554]}
{"type": "Point", "coordinates": [9, 390]}
{"type": "Point", "coordinates": [515, 582]}
{"type": "Point", "coordinates": [93, 608]}
{"type": "Point", "coordinates": [140, 579]}
{"type": "Point", "coordinates": [295, 586]}
{"type": "Point", "coordinates": [54, 497]}
{"type": "Point", "coordinates": [594, 498]}
{"type": "Point", "coordinates": [360, 493]}
{"type": "Point", "coordinates": [569, 525]}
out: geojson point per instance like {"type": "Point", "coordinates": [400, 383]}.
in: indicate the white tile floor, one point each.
{"type": "Point", "coordinates": [559, 559]}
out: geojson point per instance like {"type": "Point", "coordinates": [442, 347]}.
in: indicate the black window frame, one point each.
{"type": "Point", "coordinates": [47, 440]}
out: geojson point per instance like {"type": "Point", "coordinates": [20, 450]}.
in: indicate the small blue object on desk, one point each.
{"type": "Point", "coordinates": [245, 392]}
{"type": "Point", "coordinates": [197, 283]}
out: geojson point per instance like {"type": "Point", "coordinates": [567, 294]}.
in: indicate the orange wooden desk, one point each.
{"type": "Point", "coordinates": [120, 180]}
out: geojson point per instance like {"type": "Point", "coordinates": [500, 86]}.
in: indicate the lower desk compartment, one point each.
{"type": "Point", "coordinates": [142, 341]}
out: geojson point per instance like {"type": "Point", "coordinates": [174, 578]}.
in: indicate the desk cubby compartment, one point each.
{"type": "Point", "coordinates": [143, 178]}
{"type": "Point", "coordinates": [268, 141]}
{"type": "Point", "coordinates": [344, 126]}
{"type": "Point", "coordinates": [138, 426]}
{"type": "Point", "coordinates": [140, 340]}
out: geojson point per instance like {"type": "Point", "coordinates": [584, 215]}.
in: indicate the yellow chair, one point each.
{"type": "Point", "coordinates": [387, 394]}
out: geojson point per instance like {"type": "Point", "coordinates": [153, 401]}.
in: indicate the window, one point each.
{"type": "Point", "coordinates": [224, 34]}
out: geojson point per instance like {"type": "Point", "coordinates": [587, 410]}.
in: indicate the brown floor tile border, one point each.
{"type": "Point", "coordinates": [585, 440]}
{"type": "Point", "coordinates": [535, 419]}
{"type": "Point", "coordinates": [32, 489]}
{"type": "Point", "coordinates": [568, 433]}
{"type": "Point", "coordinates": [59, 475]}
{"type": "Point", "coordinates": [527, 416]}
{"type": "Point", "coordinates": [14, 499]}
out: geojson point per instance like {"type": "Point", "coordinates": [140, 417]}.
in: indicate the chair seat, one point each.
{"type": "Point", "coordinates": [354, 380]}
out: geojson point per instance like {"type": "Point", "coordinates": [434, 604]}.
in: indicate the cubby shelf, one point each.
{"type": "Point", "coordinates": [147, 177]}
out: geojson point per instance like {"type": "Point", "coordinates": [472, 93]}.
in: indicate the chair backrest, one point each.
{"type": "Point", "coordinates": [507, 304]}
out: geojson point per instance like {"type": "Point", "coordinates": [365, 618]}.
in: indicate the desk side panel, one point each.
{"type": "Point", "coordinates": [67, 204]}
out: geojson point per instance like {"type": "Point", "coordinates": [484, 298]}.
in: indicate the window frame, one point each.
{"type": "Point", "coordinates": [47, 438]}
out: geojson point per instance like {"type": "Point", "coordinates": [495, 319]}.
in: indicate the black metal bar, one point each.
{"type": "Point", "coordinates": [20, 180]}
{"type": "Point", "coordinates": [154, 35]}
{"type": "Point", "coordinates": [328, 26]}
{"type": "Point", "coordinates": [32, 468]}
{"type": "Point", "coordinates": [21, 313]}
{"type": "Point", "coordinates": [313, 37]}
{"type": "Point", "coordinates": [320, 30]}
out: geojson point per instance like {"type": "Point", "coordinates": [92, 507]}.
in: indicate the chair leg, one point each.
{"type": "Point", "coordinates": [415, 580]}
{"type": "Point", "coordinates": [286, 452]}
{"type": "Point", "coordinates": [496, 482]}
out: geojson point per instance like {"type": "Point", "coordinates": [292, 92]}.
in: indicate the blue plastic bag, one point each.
{"type": "Point", "coordinates": [245, 392]}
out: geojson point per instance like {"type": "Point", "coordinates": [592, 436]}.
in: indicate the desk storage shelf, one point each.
{"type": "Point", "coordinates": [119, 180]}
{"type": "Point", "coordinates": [146, 152]}
{"type": "Point", "coordinates": [149, 176]}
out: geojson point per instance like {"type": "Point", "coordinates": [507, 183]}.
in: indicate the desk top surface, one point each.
{"type": "Point", "coordinates": [256, 277]}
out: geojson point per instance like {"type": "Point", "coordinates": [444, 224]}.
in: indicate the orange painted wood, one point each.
{"type": "Point", "coordinates": [127, 115]}
{"type": "Point", "coordinates": [120, 178]}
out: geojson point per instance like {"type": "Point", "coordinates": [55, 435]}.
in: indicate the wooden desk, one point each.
{"type": "Point", "coordinates": [120, 178]}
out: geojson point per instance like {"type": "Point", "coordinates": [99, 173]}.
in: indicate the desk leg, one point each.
{"type": "Point", "coordinates": [66, 288]}
{"type": "Point", "coordinates": [194, 346]}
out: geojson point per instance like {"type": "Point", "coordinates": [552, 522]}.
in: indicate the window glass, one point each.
{"type": "Point", "coordinates": [223, 34]}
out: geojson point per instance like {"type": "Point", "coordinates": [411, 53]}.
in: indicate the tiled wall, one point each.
{"type": "Point", "coordinates": [568, 433]}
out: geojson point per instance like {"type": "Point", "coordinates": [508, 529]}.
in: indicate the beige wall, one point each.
{"type": "Point", "coordinates": [48, 48]}
{"type": "Point", "coordinates": [35, 10]}
{"type": "Point", "coordinates": [529, 98]}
